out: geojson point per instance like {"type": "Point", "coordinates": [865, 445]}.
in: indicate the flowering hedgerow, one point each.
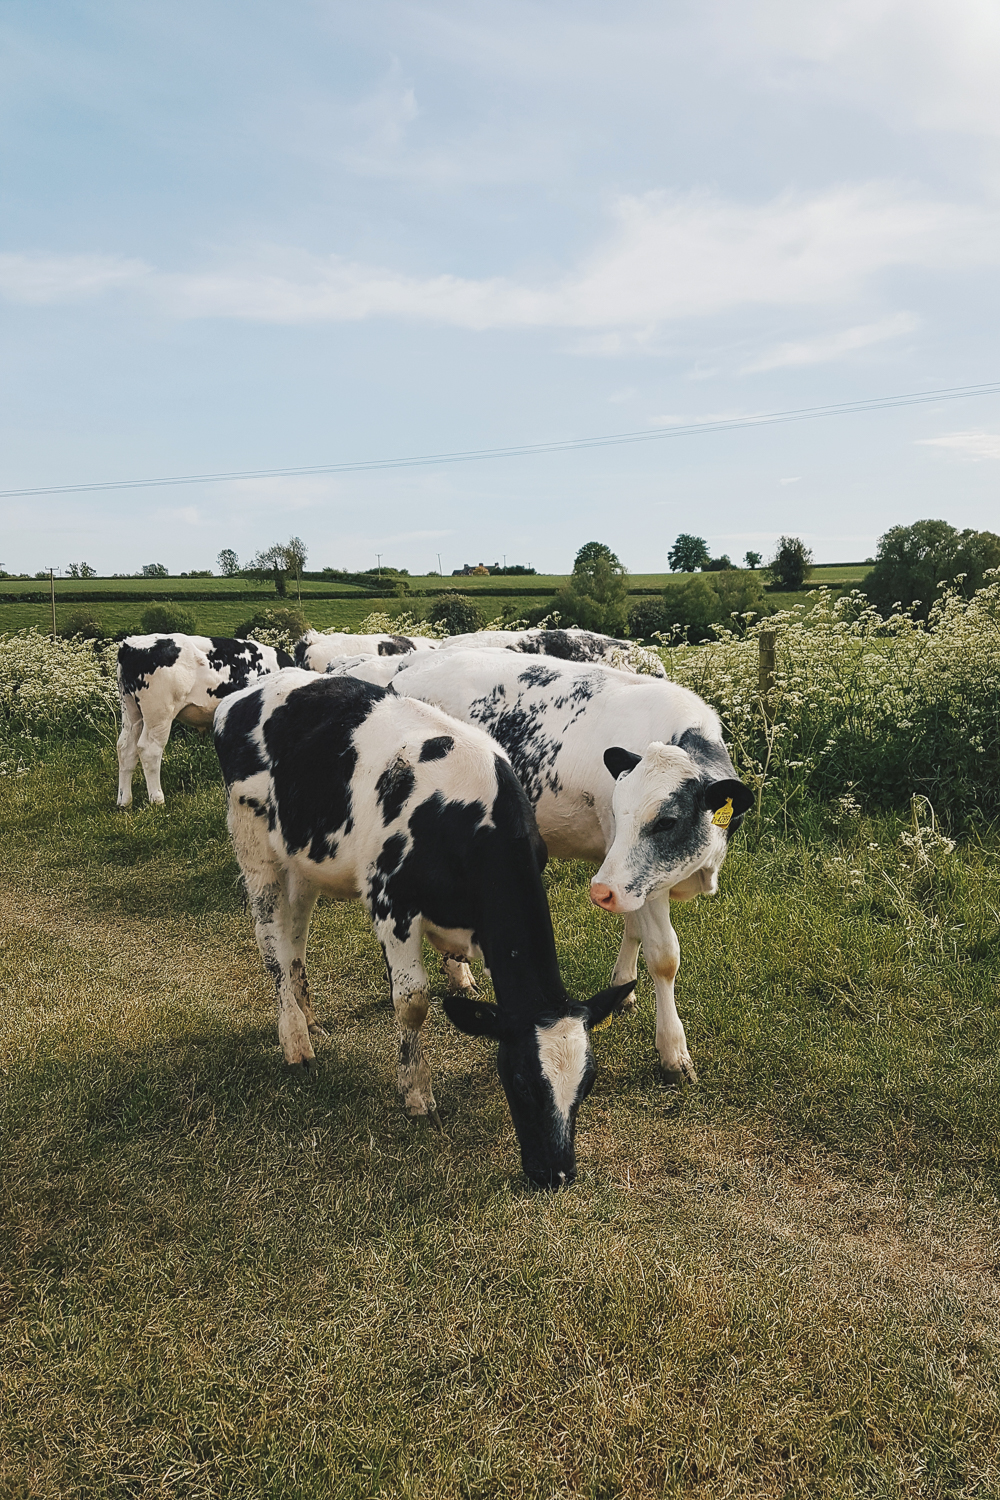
{"type": "Point", "coordinates": [55, 687]}
{"type": "Point", "coordinates": [888, 709]}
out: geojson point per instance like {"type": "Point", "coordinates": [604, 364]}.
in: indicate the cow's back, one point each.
{"type": "Point", "coordinates": [555, 720]}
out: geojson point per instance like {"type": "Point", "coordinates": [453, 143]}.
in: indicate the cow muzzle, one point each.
{"type": "Point", "coordinates": [608, 899]}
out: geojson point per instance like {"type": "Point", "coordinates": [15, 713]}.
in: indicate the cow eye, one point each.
{"type": "Point", "coordinates": [663, 825]}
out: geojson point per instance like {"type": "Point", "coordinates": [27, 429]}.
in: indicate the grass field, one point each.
{"type": "Point", "coordinates": [218, 1278]}
{"type": "Point", "coordinates": [221, 617]}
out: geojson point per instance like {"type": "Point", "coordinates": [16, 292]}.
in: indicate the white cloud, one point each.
{"type": "Point", "coordinates": [925, 63]}
{"type": "Point", "coordinates": [969, 445]}
{"type": "Point", "coordinates": [44, 279]}
{"type": "Point", "coordinates": [833, 345]}
{"type": "Point", "coordinates": [670, 258]}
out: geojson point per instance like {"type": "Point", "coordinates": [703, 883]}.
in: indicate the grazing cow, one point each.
{"type": "Point", "coordinates": [166, 677]}
{"type": "Point", "coordinates": [336, 786]}
{"type": "Point", "coordinates": [315, 650]}
{"type": "Point", "coordinates": [629, 772]}
{"type": "Point", "coordinates": [567, 645]}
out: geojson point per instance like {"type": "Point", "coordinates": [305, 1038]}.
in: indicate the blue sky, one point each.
{"type": "Point", "coordinates": [261, 236]}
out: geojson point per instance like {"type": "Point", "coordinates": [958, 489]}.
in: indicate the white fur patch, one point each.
{"type": "Point", "coordinates": [562, 1053]}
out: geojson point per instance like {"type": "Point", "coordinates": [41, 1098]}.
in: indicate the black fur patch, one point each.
{"type": "Point", "coordinates": [309, 739]}
{"type": "Point", "coordinates": [238, 752]}
{"type": "Point", "coordinates": [396, 645]}
{"type": "Point", "coordinates": [136, 664]}
{"type": "Point", "coordinates": [393, 789]}
{"type": "Point", "coordinates": [243, 660]}
{"type": "Point", "coordinates": [437, 748]}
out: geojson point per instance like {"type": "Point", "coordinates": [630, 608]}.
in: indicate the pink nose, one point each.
{"type": "Point", "coordinates": [603, 895]}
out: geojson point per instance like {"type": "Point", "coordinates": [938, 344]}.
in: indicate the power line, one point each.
{"type": "Point", "coordinates": [523, 450]}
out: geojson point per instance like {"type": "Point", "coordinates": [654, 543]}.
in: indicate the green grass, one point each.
{"type": "Point", "coordinates": [217, 617]}
{"type": "Point", "coordinates": [218, 1278]}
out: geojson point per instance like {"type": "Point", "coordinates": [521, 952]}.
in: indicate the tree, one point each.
{"type": "Point", "coordinates": [791, 564]}
{"type": "Point", "coordinates": [596, 596]}
{"type": "Point", "coordinates": [717, 564]}
{"type": "Point", "coordinates": [912, 562]}
{"type": "Point", "coordinates": [688, 554]}
{"type": "Point", "coordinates": [277, 561]}
{"type": "Point", "coordinates": [154, 570]}
{"type": "Point", "coordinates": [709, 599]}
{"type": "Point", "coordinates": [457, 612]}
{"type": "Point", "coordinates": [229, 563]}
{"type": "Point", "coordinates": [81, 570]}
{"type": "Point", "coordinates": [752, 559]}
{"type": "Point", "coordinates": [274, 627]}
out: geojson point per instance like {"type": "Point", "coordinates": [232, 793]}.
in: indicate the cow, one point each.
{"type": "Point", "coordinates": [567, 645]}
{"type": "Point", "coordinates": [166, 677]}
{"type": "Point", "coordinates": [339, 787]}
{"type": "Point", "coordinates": [314, 650]}
{"type": "Point", "coordinates": [630, 773]}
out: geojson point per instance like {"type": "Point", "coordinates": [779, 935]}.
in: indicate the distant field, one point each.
{"type": "Point", "coordinates": [240, 599]}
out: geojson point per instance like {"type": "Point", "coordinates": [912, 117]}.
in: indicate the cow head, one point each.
{"type": "Point", "coordinates": [547, 1070]}
{"type": "Point", "coordinates": [671, 822]}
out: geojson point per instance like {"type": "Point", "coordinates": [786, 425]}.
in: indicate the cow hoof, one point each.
{"type": "Point", "coordinates": [675, 1078]}
{"type": "Point", "coordinates": [317, 1030]}
{"type": "Point", "coordinates": [626, 1006]}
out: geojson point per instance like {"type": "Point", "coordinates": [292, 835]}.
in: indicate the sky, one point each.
{"type": "Point", "coordinates": [264, 237]}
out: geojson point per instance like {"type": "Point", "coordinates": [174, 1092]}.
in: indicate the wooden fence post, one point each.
{"type": "Point", "coordinates": [765, 675]}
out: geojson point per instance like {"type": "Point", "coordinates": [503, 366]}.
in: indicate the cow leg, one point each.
{"type": "Point", "coordinates": [408, 981]}
{"type": "Point", "coordinates": [627, 966]}
{"type": "Point", "coordinates": [458, 975]}
{"type": "Point", "coordinates": [128, 748]}
{"type": "Point", "coordinates": [301, 903]}
{"type": "Point", "coordinates": [663, 957]}
{"type": "Point", "coordinates": [152, 742]}
{"type": "Point", "coordinates": [276, 925]}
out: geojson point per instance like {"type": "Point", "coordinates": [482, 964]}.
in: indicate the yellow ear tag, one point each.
{"type": "Point", "coordinates": [602, 1024]}
{"type": "Point", "coordinates": [722, 816]}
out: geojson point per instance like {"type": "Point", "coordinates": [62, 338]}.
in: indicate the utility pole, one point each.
{"type": "Point", "coordinates": [379, 556]}
{"type": "Point", "coordinates": [439, 562]}
{"type": "Point", "coordinates": [505, 565]}
{"type": "Point", "coordinates": [52, 596]}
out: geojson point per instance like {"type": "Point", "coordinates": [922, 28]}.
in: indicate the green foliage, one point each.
{"type": "Point", "coordinates": [688, 554]}
{"type": "Point", "coordinates": [596, 596]}
{"type": "Point", "coordinates": [81, 570]}
{"type": "Point", "coordinates": [154, 570]}
{"type": "Point", "coordinates": [229, 563]}
{"type": "Point", "coordinates": [457, 613]}
{"type": "Point", "coordinates": [84, 623]}
{"type": "Point", "coordinates": [647, 618]}
{"type": "Point", "coordinates": [890, 709]}
{"type": "Point", "coordinates": [717, 564]}
{"type": "Point", "coordinates": [913, 562]}
{"type": "Point", "coordinates": [167, 619]}
{"type": "Point", "coordinates": [752, 559]}
{"type": "Point", "coordinates": [791, 564]}
{"type": "Point", "coordinates": [53, 688]}
{"type": "Point", "coordinates": [273, 627]}
{"type": "Point", "coordinates": [693, 606]}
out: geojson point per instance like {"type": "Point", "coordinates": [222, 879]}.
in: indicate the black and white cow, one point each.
{"type": "Point", "coordinates": [315, 650]}
{"type": "Point", "coordinates": [629, 772]}
{"type": "Point", "coordinates": [338, 787]}
{"type": "Point", "coordinates": [566, 645]}
{"type": "Point", "coordinates": [166, 677]}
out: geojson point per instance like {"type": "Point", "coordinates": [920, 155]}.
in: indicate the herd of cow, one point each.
{"type": "Point", "coordinates": [431, 779]}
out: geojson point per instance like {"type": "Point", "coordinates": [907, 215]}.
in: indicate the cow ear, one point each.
{"type": "Point", "coordinates": [601, 1005]}
{"type": "Point", "coordinates": [727, 799]}
{"type": "Point", "coordinates": [618, 760]}
{"type": "Point", "coordinates": [474, 1017]}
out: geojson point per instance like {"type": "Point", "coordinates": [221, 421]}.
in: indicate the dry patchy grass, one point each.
{"type": "Point", "coordinates": [218, 1278]}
